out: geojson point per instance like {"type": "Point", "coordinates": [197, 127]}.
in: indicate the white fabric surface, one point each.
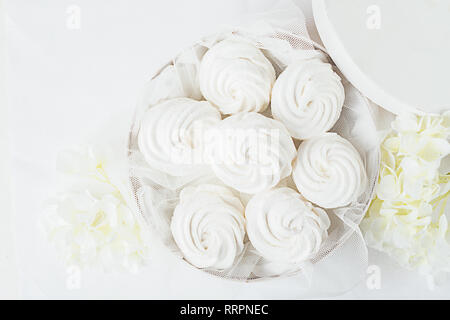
{"type": "Point", "coordinates": [64, 84]}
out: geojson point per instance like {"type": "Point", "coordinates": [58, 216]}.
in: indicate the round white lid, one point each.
{"type": "Point", "coordinates": [397, 53]}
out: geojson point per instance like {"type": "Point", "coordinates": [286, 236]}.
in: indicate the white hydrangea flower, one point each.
{"type": "Point", "coordinates": [408, 219]}
{"type": "Point", "coordinates": [92, 222]}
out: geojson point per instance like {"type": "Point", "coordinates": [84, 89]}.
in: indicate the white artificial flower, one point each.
{"type": "Point", "coordinates": [92, 221]}
{"type": "Point", "coordinates": [408, 219]}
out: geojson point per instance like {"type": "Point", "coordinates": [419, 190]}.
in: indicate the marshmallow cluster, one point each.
{"type": "Point", "coordinates": [251, 155]}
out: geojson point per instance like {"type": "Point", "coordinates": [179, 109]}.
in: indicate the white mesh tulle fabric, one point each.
{"type": "Point", "coordinates": [282, 36]}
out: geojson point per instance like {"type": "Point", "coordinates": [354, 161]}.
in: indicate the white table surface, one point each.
{"type": "Point", "coordinates": [62, 85]}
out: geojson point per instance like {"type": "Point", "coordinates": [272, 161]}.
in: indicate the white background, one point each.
{"type": "Point", "coordinates": [62, 86]}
